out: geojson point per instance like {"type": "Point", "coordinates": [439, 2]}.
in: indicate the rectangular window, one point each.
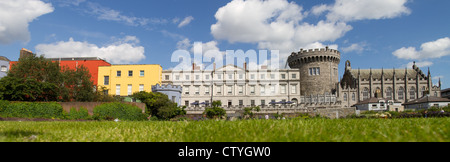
{"type": "Point", "coordinates": [252, 102]}
{"type": "Point", "coordinates": [252, 89]}
{"type": "Point", "coordinates": [272, 76]}
{"type": "Point", "coordinates": [187, 77]}
{"type": "Point", "coordinates": [206, 89]}
{"type": "Point", "coordinates": [167, 77]}
{"type": "Point", "coordinates": [241, 89]}
{"type": "Point", "coordinates": [118, 90]}
{"type": "Point", "coordinates": [106, 80]}
{"type": "Point", "coordinates": [219, 89]}
{"type": "Point", "coordinates": [186, 103]}
{"type": "Point", "coordinates": [130, 87]}
{"type": "Point", "coordinates": [241, 103]}
{"type": "Point", "coordinates": [263, 102]}
{"type": "Point", "coordinates": [177, 77]}
{"type": "Point", "coordinates": [186, 90]}
{"type": "Point", "coordinates": [263, 76]}
{"type": "Point", "coordinates": [283, 89]}
{"type": "Point", "coordinates": [283, 76]}
{"type": "Point", "coordinates": [174, 99]}
{"type": "Point", "coordinates": [241, 76]}
{"type": "Point", "coordinates": [252, 76]}
{"type": "Point", "coordinates": [294, 76]}
{"type": "Point", "coordinates": [119, 73]}
{"type": "Point", "coordinates": [294, 89]}
{"type": "Point", "coordinates": [207, 77]}
{"type": "Point", "coordinates": [197, 90]}
{"type": "Point", "coordinates": [219, 76]}
{"type": "Point", "coordinates": [197, 77]}
{"type": "Point", "coordinates": [272, 89]}
{"type": "Point", "coordinates": [263, 89]}
{"type": "Point", "coordinates": [130, 73]}
{"type": "Point", "coordinates": [142, 73]}
{"type": "Point", "coordinates": [230, 76]}
{"type": "Point", "coordinates": [141, 87]}
{"type": "Point", "coordinates": [230, 89]}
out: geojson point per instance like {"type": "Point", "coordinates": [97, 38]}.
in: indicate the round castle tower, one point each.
{"type": "Point", "coordinates": [318, 70]}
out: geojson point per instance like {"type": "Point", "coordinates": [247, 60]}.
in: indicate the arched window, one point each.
{"type": "Point", "coordinates": [401, 92]}
{"type": "Point", "coordinates": [389, 93]}
{"type": "Point", "coordinates": [365, 93]}
{"type": "Point", "coordinates": [412, 93]}
{"type": "Point", "coordinates": [345, 96]}
{"type": "Point", "coordinates": [422, 91]}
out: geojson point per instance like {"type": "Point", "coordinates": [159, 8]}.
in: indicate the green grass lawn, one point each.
{"type": "Point", "coordinates": [293, 130]}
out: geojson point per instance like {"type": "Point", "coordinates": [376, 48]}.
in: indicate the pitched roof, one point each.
{"type": "Point", "coordinates": [4, 58]}
{"type": "Point", "coordinates": [388, 73]}
{"type": "Point", "coordinates": [427, 99]}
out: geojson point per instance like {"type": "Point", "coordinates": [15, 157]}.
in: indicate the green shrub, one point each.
{"type": "Point", "coordinates": [82, 113]}
{"type": "Point", "coordinates": [116, 110]}
{"type": "Point", "coordinates": [50, 110]}
{"type": "Point", "coordinates": [3, 105]}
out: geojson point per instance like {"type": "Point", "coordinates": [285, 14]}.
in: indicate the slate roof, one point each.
{"type": "Point", "coordinates": [427, 99]}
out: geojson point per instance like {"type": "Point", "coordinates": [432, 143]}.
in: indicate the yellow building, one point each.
{"type": "Point", "coordinates": [124, 80]}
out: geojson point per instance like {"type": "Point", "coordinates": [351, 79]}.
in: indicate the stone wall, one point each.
{"type": "Point", "coordinates": [331, 113]}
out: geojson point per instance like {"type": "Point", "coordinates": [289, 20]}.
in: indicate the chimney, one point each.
{"type": "Point", "coordinates": [25, 53]}
{"type": "Point", "coordinates": [214, 66]}
{"type": "Point", "coordinates": [193, 66]}
{"type": "Point", "coordinates": [245, 66]}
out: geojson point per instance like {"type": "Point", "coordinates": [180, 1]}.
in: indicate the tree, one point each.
{"type": "Point", "coordinates": [215, 111]}
{"type": "Point", "coordinates": [159, 105]}
{"type": "Point", "coordinates": [38, 79]}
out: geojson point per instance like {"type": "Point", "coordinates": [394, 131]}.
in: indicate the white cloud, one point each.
{"type": "Point", "coordinates": [185, 21]}
{"type": "Point", "coordinates": [68, 3]}
{"type": "Point", "coordinates": [355, 47]}
{"type": "Point", "coordinates": [15, 16]}
{"type": "Point", "coordinates": [184, 44]}
{"type": "Point", "coordinates": [419, 64]}
{"type": "Point", "coordinates": [113, 53]}
{"type": "Point", "coordinates": [105, 13]}
{"type": "Point", "coordinates": [434, 49]}
{"type": "Point", "coordinates": [273, 25]}
{"type": "Point", "coordinates": [353, 10]}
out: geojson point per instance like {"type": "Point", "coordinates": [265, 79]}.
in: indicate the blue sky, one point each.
{"type": "Point", "coordinates": [371, 34]}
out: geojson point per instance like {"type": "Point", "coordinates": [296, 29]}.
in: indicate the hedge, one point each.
{"type": "Point", "coordinates": [50, 110]}
{"type": "Point", "coordinates": [82, 113]}
{"type": "Point", "coordinates": [121, 111]}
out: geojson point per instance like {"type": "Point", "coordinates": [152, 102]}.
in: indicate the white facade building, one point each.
{"type": "Point", "coordinates": [235, 86]}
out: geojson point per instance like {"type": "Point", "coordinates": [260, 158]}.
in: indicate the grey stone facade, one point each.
{"type": "Point", "coordinates": [394, 84]}
{"type": "Point", "coordinates": [318, 70]}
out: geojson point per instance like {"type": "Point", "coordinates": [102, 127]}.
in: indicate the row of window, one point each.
{"type": "Point", "coordinates": [240, 89]}
{"type": "Point", "coordinates": [230, 103]}
{"type": "Point", "coordinates": [119, 74]}
{"type": "Point", "coordinates": [230, 76]}
{"type": "Point", "coordinates": [130, 73]}
{"type": "Point", "coordinates": [389, 93]}
{"type": "Point", "coordinates": [129, 89]}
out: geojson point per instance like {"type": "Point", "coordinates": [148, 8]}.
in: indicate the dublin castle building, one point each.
{"type": "Point", "coordinates": [401, 85]}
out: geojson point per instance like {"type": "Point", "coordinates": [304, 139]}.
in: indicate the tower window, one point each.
{"type": "Point", "coordinates": [314, 71]}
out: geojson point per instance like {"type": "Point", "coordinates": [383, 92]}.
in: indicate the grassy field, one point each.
{"type": "Point", "coordinates": [293, 130]}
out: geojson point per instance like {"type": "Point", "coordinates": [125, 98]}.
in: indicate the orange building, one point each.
{"type": "Point", "coordinates": [91, 63]}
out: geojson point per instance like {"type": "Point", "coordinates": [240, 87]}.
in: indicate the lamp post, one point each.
{"type": "Point", "coordinates": [212, 86]}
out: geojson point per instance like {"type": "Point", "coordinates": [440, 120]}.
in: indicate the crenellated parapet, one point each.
{"type": "Point", "coordinates": [313, 55]}
{"type": "Point", "coordinates": [168, 87]}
